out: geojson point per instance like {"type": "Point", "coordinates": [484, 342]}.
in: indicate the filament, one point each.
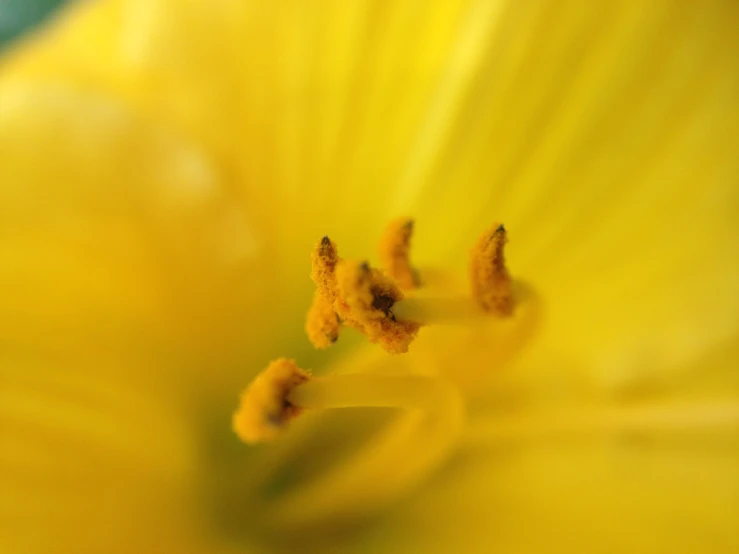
{"type": "Point", "coordinates": [438, 311]}
{"type": "Point", "coordinates": [402, 455]}
{"type": "Point", "coordinates": [460, 310]}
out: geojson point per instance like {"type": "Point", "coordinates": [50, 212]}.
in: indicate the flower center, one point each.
{"type": "Point", "coordinates": [426, 393]}
{"type": "Point", "coordinates": [352, 293]}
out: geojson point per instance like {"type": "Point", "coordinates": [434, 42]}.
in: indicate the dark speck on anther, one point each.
{"type": "Point", "coordinates": [500, 229]}
{"type": "Point", "coordinates": [274, 419]}
{"type": "Point", "coordinates": [325, 241]}
{"type": "Point", "coordinates": [365, 267]}
{"type": "Point", "coordinates": [383, 302]}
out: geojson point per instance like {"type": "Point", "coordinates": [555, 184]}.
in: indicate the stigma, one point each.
{"type": "Point", "coordinates": [384, 304]}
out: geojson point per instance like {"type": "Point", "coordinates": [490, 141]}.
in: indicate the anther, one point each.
{"type": "Point", "coordinates": [323, 262]}
{"type": "Point", "coordinates": [357, 295]}
{"type": "Point", "coordinates": [395, 253]}
{"type": "Point", "coordinates": [365, 299]}
{"type": "Point", "coordinates": [264, 407]}
{"type": "Point", "coordinates": [322, 324]}
{"type": "Point", "coordinates": [491, 283]}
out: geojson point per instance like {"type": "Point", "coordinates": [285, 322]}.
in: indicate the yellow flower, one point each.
{"type": "Point", "coordinates": [167, 168]}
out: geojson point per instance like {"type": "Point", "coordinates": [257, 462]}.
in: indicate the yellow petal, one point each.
{"type": "Point", "coordinates": [91, 463]}
{"type": "Point", "coordinates": [596, 133]}
{"type": "Point", "coordinates": [545, 469]}
{"type": "Point", "coordinates": [117, 233]}
{"type": "Point", "coordinates": [601, 135]}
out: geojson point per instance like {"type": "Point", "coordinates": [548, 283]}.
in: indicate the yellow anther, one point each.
{"type": "Point", "coordinates": [354, 294]}
{"type": "Point", "coordinates": [365, 300]}
{"type": "Point", "coordinates": [491, 283]}
{"type": "Point", "coordinates": [324, 259]}
{"type": "Point", "coordinates": [394, 253]}
{"type": "Point", "coordinates": [264, 408]}
{"type": "Point", "coordinates": [322, 324]}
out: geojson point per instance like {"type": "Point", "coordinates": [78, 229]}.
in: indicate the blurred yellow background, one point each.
{"type": "Point", "coordinates": [166, 167]}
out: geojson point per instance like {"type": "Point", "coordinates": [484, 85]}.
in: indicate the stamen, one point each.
{"type": "Point", "coordinates": [366, 298]}
{"type": "Point", "coordinates": [322, 324]}
{"type": "Point", "coordinates": [352, 293]}
{"type": "Point", "coordinates": [457, 310]}
{"type": "Point", "coordinates": [463, 327]}
{"type": "Point", "coordinates": [395, 253]}
{"type": "Point", "coordinates": [324, 259]}
{"type": "Point", "coordinates": [413, 446]}
{"type": "Point", "coordinates": [397, 459]}
{"type": "Point", "coordinates": [264, 408]}
{"type": "Point", "coordinates": [438, 311]}
{"type": "Point", "coordinates": [491, 283]}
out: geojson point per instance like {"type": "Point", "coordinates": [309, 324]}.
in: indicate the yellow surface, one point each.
{"type": "Point", "coordinates": [166, 167]}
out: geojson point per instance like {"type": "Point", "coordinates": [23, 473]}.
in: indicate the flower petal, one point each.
{"type": "Point", "coordinates": [116, 233]}
{"type": "Point", "coordinates": [546, 469]}
{"type": "Point", "coordinates": [585, 128]}
{"type": "Point", "coordinates": [91, 464]}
